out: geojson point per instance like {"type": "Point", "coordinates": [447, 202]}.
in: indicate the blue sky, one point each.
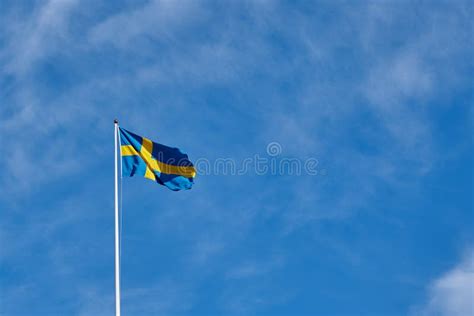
{"type": "Point", "coordinates": [379, 93]}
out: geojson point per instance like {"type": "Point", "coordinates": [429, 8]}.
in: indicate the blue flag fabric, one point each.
{"type": "Point", "coordinates": [166, 165]}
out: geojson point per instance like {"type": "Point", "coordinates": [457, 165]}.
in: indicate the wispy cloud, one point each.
{"type": "Point", "coordinates": [32, 39]}
{"type": "Point", "coordinates": [452, 293]}
{"type": "Point", "coordinates": [156, 19]}
{"type": "Point", "coordinates": [253, 268]}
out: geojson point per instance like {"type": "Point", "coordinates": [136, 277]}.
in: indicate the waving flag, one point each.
{"type": "Point", "coordinates": [166, 165]}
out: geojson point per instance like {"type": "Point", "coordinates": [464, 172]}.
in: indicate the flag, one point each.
{"type": "Point", "coordinates": [166, 165]}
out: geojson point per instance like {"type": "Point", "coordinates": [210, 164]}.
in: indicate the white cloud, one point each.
{"type": "Point", "coordinates": [29, 118]}
{"type": "Point", "coordinates": [206, 249]}
{"type": "Point", "coordinates": [170, 297]}
{"type": "Point", "coordinates": [452, 294]}
{"type": "Point", "coordinates": [254, 268]}
{"type": "Point", "coordinates": [33, 38]}
{"type": "Point", "coordinates": [403, 76]}
{"type": "Point", "coordinates": [156, 19]}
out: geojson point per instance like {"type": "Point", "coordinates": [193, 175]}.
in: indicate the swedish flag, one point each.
{"type": "Point", "coordinates": [166, 165]}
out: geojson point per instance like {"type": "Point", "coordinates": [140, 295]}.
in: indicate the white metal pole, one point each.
{"type": "Point", "coordinates": [117, 255]}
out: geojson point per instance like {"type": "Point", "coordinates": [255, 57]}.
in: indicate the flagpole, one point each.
{"type": "Point", "coordinates": [117, 255]}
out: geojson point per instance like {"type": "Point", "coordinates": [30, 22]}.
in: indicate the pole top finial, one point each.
{"type": "Point", "coordinates": [115, 121]}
